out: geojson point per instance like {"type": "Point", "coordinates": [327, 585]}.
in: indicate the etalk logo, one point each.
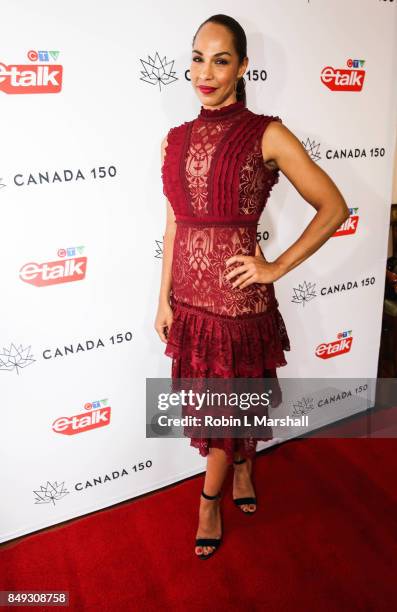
{"type": "Point", "coordinates": [337, 347]}
{"type": "Point", "coordinates": [30, 78]}
{"type": "Point", "coordinates": [344, 79]}
{"type": "Point", "coordinates": [79, 423]}
{"type": "Point", "coordinates": [54, 272]}
{"type": "Point", "coordinates": [350, 225]}
{"type": "Point", "coordinates": [58, 271]}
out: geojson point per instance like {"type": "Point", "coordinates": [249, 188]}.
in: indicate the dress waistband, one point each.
{"type": "Point", "coordinates": [236, 220]}
{"type": "Point", "coordinates": [270, 311]}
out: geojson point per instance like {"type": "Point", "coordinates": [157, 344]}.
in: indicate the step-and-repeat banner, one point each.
{"type": "Point", "coordinates": [87, 93]}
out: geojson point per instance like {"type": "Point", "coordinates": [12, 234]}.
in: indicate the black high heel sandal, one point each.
{"type": "Point", "coordinates": [208, 541]}
{"type": "Point", "coordinates": [241, 501]}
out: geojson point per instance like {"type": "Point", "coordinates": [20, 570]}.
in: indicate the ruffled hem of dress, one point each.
{"type": "Point", "coordinates": [241, 346]}
{"type": "Point", "coordinates": [206, 345]}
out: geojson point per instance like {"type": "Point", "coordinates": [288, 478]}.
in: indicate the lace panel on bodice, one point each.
{"type": "Point", "coordinates": [214, 167]}
{"type": "Point", "coordinates": [224, 168]}
{"type": "Point", "coordinates": [205, 138]}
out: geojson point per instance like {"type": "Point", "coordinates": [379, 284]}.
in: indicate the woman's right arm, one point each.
{"type": "Point", "coordinates": [164, 312]}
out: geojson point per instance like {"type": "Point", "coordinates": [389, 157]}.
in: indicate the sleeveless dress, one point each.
{"type": "Point", "coordinates": [217, 183]}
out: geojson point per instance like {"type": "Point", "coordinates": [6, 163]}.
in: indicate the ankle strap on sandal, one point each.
{"type": "Point", "coordinates": [209, 496]}
{"type": "Point", "coordinates": [240, 461]}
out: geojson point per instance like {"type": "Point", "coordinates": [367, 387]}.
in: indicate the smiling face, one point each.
{"type": "Point", "coordinates": [215, 66]}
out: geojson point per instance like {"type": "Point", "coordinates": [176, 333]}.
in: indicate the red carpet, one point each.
{"type": "Point", "coordinates": [323, 538]}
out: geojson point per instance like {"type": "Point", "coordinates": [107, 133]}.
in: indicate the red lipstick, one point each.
{"type": "Point", "coordinates": [206, 90]}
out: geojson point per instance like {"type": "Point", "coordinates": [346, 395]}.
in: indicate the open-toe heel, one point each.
{"type": "Point", "coordinates": [208, 541]}
{"type": "Point", "coordinates": [241, 501]}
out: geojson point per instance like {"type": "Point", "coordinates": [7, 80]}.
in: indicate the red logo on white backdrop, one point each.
{"type": "Point", "coordinates": [58, 271]}
{"type": "Point", "coordinates": [40, 78]}
{"type": "Point", "coordinates": [344, 79]}
{"type": "Point", "coordinates": [350, 225]}
{"type": "Point", "coordinates": [337, 347]}
{"type": "Point", "coordinates": [78, 423]}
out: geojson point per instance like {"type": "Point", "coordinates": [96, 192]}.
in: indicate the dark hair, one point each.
{"type": "Point", "coordinates": [240, 45]}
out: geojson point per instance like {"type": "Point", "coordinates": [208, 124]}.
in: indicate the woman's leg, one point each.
{"type": "Point", "coordinates": [210, 525]}
{"type": "Point", "coordinates": [242, 483]}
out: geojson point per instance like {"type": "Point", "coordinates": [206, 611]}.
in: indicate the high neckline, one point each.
{"type": "Point", "coordinates": [223, 111]}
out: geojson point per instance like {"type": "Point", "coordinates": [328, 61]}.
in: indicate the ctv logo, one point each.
{"type": "Point", "coordinates": [32, 78]}
{"type": "Point", "coordinates": [337, 347]}
{"type": "Point", "coordinates": [344, 79]}
{"type": "Point", "coordinates": [98, 416]}
{"type": "Point", "coordinates": [55, 272]}
{"type": "Point", "coordinates": [350, 225]}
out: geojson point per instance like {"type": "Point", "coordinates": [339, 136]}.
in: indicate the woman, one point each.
{"type": "Point", "coordinates": [217, 308]}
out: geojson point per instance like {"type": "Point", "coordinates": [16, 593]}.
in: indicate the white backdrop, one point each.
{"type": "Point", "coordinates": [87, 92]}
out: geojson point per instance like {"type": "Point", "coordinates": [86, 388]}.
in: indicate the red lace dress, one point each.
{"type": "Point", "coordinates": [217, 183]}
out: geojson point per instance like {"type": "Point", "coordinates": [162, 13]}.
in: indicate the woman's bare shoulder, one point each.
{"type": "Point", "coordinates": [277, 137]}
